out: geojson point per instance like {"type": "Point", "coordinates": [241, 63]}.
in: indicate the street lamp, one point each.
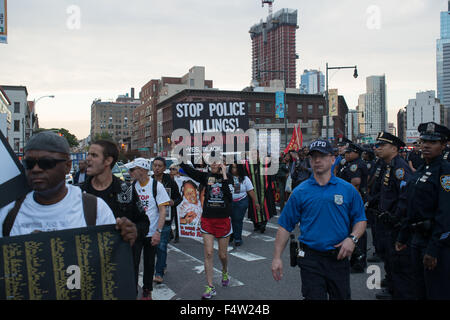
{"type": "Point", "coordinates": [355, 75]}
{"type": "Point", "coordinates": [285, 109]}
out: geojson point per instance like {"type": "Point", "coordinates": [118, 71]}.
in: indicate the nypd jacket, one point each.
{"type": "Point", "coordinates": [124, 202]}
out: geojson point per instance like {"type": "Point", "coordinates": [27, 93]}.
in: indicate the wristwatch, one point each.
{"type": "Point", "coordinates": [354, 238]}
{"type": "Point", "coordinates": [159, 230]}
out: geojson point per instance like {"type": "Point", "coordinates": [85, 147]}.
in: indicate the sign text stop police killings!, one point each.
{"type": "Point", "coordinates": [201, 117]}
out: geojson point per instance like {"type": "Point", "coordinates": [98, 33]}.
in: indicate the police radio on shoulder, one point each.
{"type": "Point", "coordinates": [354, 238]}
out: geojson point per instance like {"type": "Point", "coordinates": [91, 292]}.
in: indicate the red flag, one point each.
{"type": "Point", "coordinates": [295, 143]}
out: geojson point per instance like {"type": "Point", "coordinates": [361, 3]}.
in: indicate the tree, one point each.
{"type": "Point", "coordinates": [104, 135]}
{"type": "Point", "coordinates": [71, 139]}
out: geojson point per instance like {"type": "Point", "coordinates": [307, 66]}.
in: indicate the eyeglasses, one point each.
{"type": "Point", "coordinates": [43, 163]}
{"type": "Point", "coordinates": [175, 169]}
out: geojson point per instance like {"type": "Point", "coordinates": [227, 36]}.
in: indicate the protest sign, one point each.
{"type": "Point", "coordinates": [13, 181]}
{"type": "Point", "coordinates": [189, 211]}
{"type": "Point", "coordinates": [91, 263]}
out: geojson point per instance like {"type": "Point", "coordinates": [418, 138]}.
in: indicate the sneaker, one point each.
{"type": "Point", "coordinates": [158, 279]}
{"type": "Point", "coordinates": [225, 279]}
{"type": "Point", "coordinates": [146, 295]}
{"type": "Point", "coordinates": [209, 293]}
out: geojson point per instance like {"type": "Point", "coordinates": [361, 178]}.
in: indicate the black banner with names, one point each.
{"type": "Point", "coordinates": [91, 263]}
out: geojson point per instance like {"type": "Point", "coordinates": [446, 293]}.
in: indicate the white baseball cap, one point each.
{"type": "Point", "coordinates": [139, 162]}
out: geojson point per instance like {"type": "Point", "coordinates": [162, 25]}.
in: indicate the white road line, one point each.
{"type": "Point", "coordinates": [247, 256]}
{"type": "Point", "coordinates": [262, 237]}
{"type": "Point", "coordinates": [217, 273]}
{"type": "Point", "coordinates": [246, 233]}
{"type": "Point", "coordinates": [268, 225]}
{"type": "Point", "coordinates": [215, 245]}
{"type": "Point", "coordinates": [160, 291]}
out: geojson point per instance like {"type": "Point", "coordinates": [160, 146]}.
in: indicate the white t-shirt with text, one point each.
{"type": "Point", "coordinates": [66, 214]}
{"type": "Point", "coordinates": [145, 194]}
{"type": "Point", "coordinates": [240, 189]}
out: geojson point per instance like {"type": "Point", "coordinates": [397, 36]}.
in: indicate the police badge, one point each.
{"type": "Point", "coordinates": [353, 167]}
{"type": "Point", "coordinates": [338, 199]}
{"type": "Point", "coordinates": [445, 182]}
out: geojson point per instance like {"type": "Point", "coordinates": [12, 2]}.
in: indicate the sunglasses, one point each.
{"type": "Point", "coordinates": [43, 163]}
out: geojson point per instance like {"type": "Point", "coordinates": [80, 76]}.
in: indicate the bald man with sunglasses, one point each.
{"type": "Point", "coordinates": [52, 204]}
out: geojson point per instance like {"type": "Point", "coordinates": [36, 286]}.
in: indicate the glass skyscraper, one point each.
{"type": "Point", "coordinates": [443, 63]}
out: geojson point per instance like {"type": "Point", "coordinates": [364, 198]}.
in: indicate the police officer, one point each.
{"type": "Point", "coordinates": [373, 196]}
{"type": "Point", "coordinates": [340, 159]}
{"type": "Point", "coordinates": [426, 228]}
{"type": "Point", "coordinates": [354, 171]}
{"type": "Point", "coordinates": [446, 152]}
{"type": "Point", "coordinates": [332, 219]}
{"type": "Point", "coordinates": [391, 211]}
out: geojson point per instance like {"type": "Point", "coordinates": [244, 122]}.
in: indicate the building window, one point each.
{"type": "Point", "coordinates": [16, 107]}
{"type": "Point", "coordinates": [299, 108]}
{"type": "Point", "coordinates": [16, 125]}
{"type": "Point", "coordinates": [267, 120]}
{"type": "Point", "coordinates": [192, 82]}
{"type": "Point", "coordinates": [310, 109]}
{"type": "Point", "coordinates": [257, 107]}
{"type": "Point", "coordinates": [256, 120]}
{"type": "Point", "coordinates": [320, 109]}
{"type": "Point", "coordinates": [267, 107]}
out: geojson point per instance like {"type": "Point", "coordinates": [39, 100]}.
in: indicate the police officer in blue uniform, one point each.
{"type": "Point", "coordinates": [446, 152]}
{"type": "Point", "coordinates": [339, 162]}
{"type": "Point", "coordinates": [426, 228]}
{"type": "Point", "coordinates": [374, 185]}
{"type": "Point", "coordinates": [331, 216]}
{"type": "Point", "coordinates": [391, 211]}
{"type": "Point", "coordinates": [355, 172]}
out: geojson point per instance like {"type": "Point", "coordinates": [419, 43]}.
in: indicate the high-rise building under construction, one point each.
{"type": "Point", "coordinates": [273, 48]}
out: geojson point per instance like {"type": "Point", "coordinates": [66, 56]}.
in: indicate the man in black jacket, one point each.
{"type": "Point", "coordinates": [159, 166]}
{"type": "Point", "coordinates": [119, 195]}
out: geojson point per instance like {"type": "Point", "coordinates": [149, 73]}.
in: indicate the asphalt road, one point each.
{"type": "Point", "coordinates": [249, 267]}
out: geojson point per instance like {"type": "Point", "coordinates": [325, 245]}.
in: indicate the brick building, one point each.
{"type": "Point", "coordinates": [305, 109]}
{"type": "Point", "coordinates": [145, 117]}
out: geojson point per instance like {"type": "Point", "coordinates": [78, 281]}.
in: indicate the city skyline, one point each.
{"type": "Point", "coordinates": [117, 47]}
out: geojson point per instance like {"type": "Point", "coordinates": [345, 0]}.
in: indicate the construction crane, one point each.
{"type": "Point", "coordinates": [269, 3]}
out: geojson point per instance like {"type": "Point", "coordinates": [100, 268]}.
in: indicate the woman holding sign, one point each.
{"type": "Point", "coordinates": [215, 220]}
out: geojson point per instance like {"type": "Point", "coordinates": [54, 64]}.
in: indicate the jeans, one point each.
{"type": "Point", "coordinates": [237, 217]}
{"type": "Point", "coordinates": [149, 261]}
{"type": "Point", "coordinates": [161, 251]}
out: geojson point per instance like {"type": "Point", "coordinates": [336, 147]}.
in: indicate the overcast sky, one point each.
{"type": "Point", "coordinates": [124, 44]}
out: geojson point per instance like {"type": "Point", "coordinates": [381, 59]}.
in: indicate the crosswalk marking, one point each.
{"type": "Point", "coordinates": [217, 273]}
{"type": "Point", "coordinates": [215, 245]}
{"type": "Point", "coordinates": [160, 291]}
{"type": "Point", "coordinates": [263, 237]}
{"type": "Point", "coordinates": [268, 225]}
{"type": "Point", "coordinates": [247, 256]}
